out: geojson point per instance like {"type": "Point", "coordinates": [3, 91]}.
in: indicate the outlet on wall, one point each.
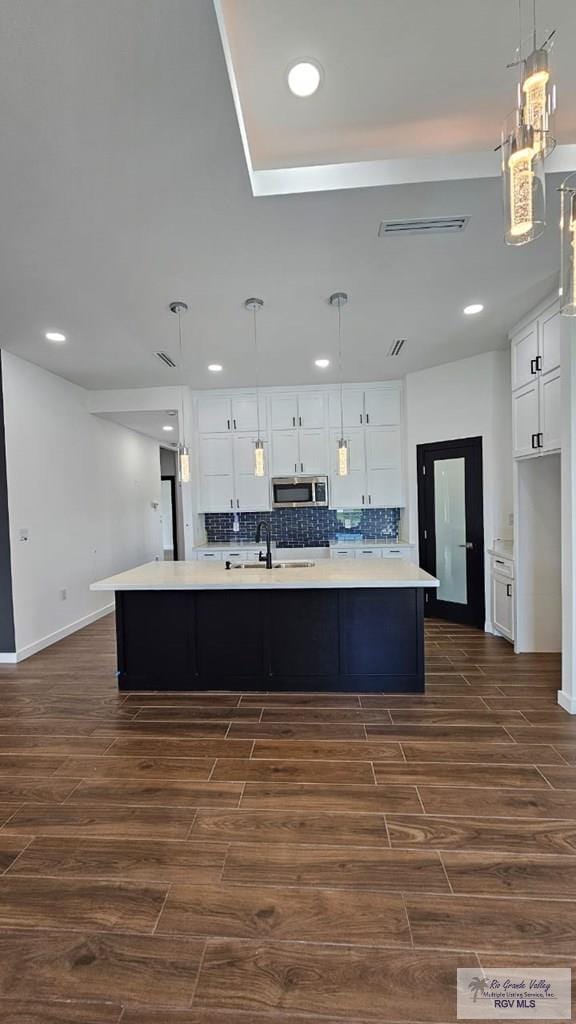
{"type": "Point", "coordinates": [64, 594]}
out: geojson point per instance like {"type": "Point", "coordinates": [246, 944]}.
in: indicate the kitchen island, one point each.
{"type": "Point", "coordinates": [347, 626]}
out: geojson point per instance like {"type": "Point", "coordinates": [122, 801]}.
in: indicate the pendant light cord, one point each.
{"type": "Point", "coordinates": [340, 368]}
{"type": "Point", "coordinates": [183, 441]}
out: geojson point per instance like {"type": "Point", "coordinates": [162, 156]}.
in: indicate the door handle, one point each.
{"type": "Point", "coordinates": [301, 467]}
{"type": "Point", "coordinates": [234, 422]}
{"type": "Point", "coordinates": [534, 444]}
{"type": "Point", "coordinates": [533, 366]}
{"type": "Point", "coordinates": [300, 421]}
{"type": "Point", "coordinates": [469, 545]}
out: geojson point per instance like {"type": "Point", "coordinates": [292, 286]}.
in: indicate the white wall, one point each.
{"type": "Point", "coordinates": [468, 398]}
{"type": "Point", "coordinates": [83, 487]}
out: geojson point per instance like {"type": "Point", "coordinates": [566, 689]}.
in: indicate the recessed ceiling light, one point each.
{"type": "Point", "coordinates": [54, 336]}
{"type": "Point", "coordinates": [215, 367]}
{"type": "Point", "coordinates": [322, 363]}
{"type": "Point", "coordinates": [167, 427]}
{"type": "Point", "coordinates": [304, 78]}
{"type": "Point", "coordinates": [476, 307]}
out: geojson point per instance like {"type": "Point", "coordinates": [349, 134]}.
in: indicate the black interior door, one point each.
{"type": "Point", "coordinates": [451, 528]}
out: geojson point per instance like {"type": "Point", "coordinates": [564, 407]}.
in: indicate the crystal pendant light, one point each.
{"type": "Point", "coordinates": [253, 305]}
{"type": "Point", "coordinates": [537, 95]}
{"type": "Point", "coordinates": [523, 181]}
{"type": "Point", "coordinates": [183, 450]}
{"type": "Point", "coordinates": [568, 234]}
{"type": "Point", "coordinates": [340, 299]}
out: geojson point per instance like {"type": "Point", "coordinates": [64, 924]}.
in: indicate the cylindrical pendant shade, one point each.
{"type": "Point", "coordinates": [538, 100]}
{"type": "Point", "coordinates": [184, 464]}
{"type": "Point", "coordinates": [342, 457]}
{"type": "Point", "coordinates": [568, 255]}
{"type": "Point", "coordinates": [259, 461]}
{"type": "Point", "coordinates": [524, 186]}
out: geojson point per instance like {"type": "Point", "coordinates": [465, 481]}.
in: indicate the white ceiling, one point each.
{"type": "Point", "coordinates": [150, 424]}
{"type": "Point", "coordinates": [124, 186]}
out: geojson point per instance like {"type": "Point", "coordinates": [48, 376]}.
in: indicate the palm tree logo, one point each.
{"type": "Point", "coordinates": [477, 985]}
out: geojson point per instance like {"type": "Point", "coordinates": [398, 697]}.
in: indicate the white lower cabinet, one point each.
{"type": "Point", "coordinates": [503, 606]}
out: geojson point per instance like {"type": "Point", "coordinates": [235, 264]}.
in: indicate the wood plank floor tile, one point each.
{"type": "Point", "coordinates": [440, 733]}
{"type": "Point", "coordinates": [281, 826]}
{"type": "Point", "coordinates": [349, 866]}
{"type": "Point", "coordinates": [317, 700]}
{"type": "Point", "coordinates": [242, 770]}
{"type": "Point", "coordinates": [109, 967]}
{"type": "Point", "coordinates": [203, 713]}
{"type": "Point", "coordinates": [22, 790]}
{"type": "Point", "coordinates": [482, 753]}
{"type": "Point", "coordinates": [451, 716]}
{"type": "Point", "coordinates": [567, 751]}
{"type": "Point", "coordinates": [52, 745]}
{"type": "Point", "coordinates": [521, 702]}
{"type": "Point", "coordinates": [372, 984]}
{"type": "Point", "coordinates": [497, 874]}
{"type": "Point", "coordinates": [524, 925]}
{"type": "Point", "coordinates": [265, 912]}
{"type": "Point", "coordinates": [165, 747]}
{"type": "Point", "coordinates": [560, 777]}
{"type": "Point", "coordinates": [75, 903]}
{"type": "Point", "coordinates": [181, 699]}
{"type": "Point", "coordinates": [157, 793]}
{"type": "Point", "coordinates": [510, 803]}
{"type": "Point", "coordinates": [329, 750]}
{"type": "Point", "coordinates": [324, 715]}
{"type": "Point", "coordinates": [127, 859]}
{"type": "Point", "coordinates": [296, 731]}
{"type": "Point", "coordinates": [99, 820]}
{"type": "Point", "coordinates": [10, 848]}
{"type": "Point", "coordinates": [554, 734]}
{"type": "Point", "coordinates": [219, 1016]}
{"type": "Point", "coordinates": [324, 796]}
{"type": "Point", "coordinates": [442, 832]}
{"type": "Point", "coordinates": [138, 730]}
{"type": "Point", "coordinates": [20, 1011]}
{"type": "Point", "coordinates": [139, 768]}
{"type": "Point", "coordinates": [440, 774]}
{"type": "Point", "coordinates": [404, 701]}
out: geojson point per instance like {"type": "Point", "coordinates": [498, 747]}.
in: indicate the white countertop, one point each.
{"type": "Point", "coordinates": [326, 574]}
{"type": "Point", "coordinates": [380, 542]}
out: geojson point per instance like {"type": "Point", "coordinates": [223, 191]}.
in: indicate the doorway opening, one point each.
{"type": "Point", "coordinates": [168, 519]}
{"type": "Point", "coordinates": [451, 528]}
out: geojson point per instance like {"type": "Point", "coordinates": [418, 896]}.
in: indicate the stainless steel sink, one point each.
{"type": "Point", "coordinates": [296, 564]}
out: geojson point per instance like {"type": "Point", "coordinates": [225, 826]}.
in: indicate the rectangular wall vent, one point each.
{"type": "Point", "coordinates": [396, 347]}
{"type": "Point", "coordinates": [425, 226]}
{"type": "Point", "coordinates": [165, 358]}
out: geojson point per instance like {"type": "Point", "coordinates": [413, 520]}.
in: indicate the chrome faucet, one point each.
{"type": "Point", "coordinates": [266, 527]}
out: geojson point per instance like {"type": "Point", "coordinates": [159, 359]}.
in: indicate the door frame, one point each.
{"type": "Point", "coordinates": [172, 480]}
{"type": "Point", "coordinates": [474, 612]}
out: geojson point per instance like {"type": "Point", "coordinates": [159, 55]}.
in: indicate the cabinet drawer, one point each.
{"type": "Point", "coordinates": [233, 555]}
{"type": "Point", "coordinates": [209, 556]}
{"type": "Point", "coordinates": [502, 566]}
{"type": "Point", "coordinates": [369, 553]}
{"type": "Point", "coordinates": [395, 552]}
{"type": "Point", "coordinates": [343, 553]}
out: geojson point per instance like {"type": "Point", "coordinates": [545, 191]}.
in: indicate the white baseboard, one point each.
{"type": "Point", "coordinates": [60, 634]}
{"type": "Point", "coordinates": [568, 703]}
{"type": "Point", "coordinates": [8, 658]}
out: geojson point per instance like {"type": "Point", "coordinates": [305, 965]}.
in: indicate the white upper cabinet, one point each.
{"type": "Point", "coordinates": [536, 372]}
{"type": "Point", "coordinates": [352, 408]}
{"type": "Point", "coordinates": [285, 453]}
{"type": "Point", "coordinates": [251, 493]}
{"type": "Point", "coordinates": [304, 410]}
{"type": "Point", "coordinates": [348, 491]}
{"type": "Point", "coordinates": [313, 455]}
{"type": "Point", "coordinates": [524, 356]}
{"type": "Point", "coordinates": [382, 407]}
{"type": "Point", "coordinates": [383, 448]}
{"type": "Point", "coordinates": [221, 414]}
{"type": "Point", "coordinates": [216, 456]}
{"type": "Point", "coordinates": [550, 341]}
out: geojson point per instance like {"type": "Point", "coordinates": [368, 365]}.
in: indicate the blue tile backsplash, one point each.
{"type": "Point", "coordinates": [306, 527]}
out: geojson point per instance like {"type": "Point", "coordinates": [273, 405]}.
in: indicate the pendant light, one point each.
{"type": "Point", "coordinates": [179, 308]}
{"type": "Point", "coordinates": [568, 255]}
{"type": "Point", "coordinates": [523, 182]}
{"type": "Point", "coordinates": [340, 299]}
{"type": "Point", "coordinates": [253, 306]}
{"type": "Point", "coordinates": [537, 95]}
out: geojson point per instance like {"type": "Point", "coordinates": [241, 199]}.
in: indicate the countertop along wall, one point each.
{"type": "Point", "coordinates": [83, 488]}
{"type": "Point", "coordinates": [467, 398]}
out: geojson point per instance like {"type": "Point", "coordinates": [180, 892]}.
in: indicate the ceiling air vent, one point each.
{"type": "Point", "coordinates": [165, 358]}
{"type": "Point", "coordinates": [425, 226]}
{"type": "Point", "coordinates": [396, 347]}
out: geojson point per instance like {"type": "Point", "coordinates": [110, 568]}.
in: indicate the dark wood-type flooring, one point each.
{"type": "Point", "coordinates": [278, 858]}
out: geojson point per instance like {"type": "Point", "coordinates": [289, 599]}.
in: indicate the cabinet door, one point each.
{"type": "Point", "coordinates": [283, 412]}
{"type": "Point", "coordinates": [214, 415]}
{"type": "Point", "coordinates": [216, 484]}
{"type": "Point", "coordinates": [503, 606]}
{"type": "Point", "coordinates": [352, 406]}
{"type": "Point", "coordinates": [524, 353]}
{"type": "Point", "coordinates": [550, 340]}
{"type": "Point", "coordinates": [313, 454]}
{"type": "Point", "coordinates": [348, 491]}
{"type": "Point", "coordinates": [382, 407]}
{"type": "Point", "coordinates": [384, 488]}
{"type": "Point", "coordinates": [285, 459]}
{"type": "Point", "coordinates": [245, 414]}
{"type": "Point", "coordinates": [252, 493]}
{"type": "Point", "coordinates": [216, 494]}
{"type": "Point", "coordinates": [311, 409]}
{"type": "Point", "coordinates": [525, 420]}
{"type": "Point", "coordinates": [383, 449]}
{"type": "Point", "coordinates": [550, 412]}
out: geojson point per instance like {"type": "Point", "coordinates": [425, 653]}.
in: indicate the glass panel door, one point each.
{"type": "Point", "coordinates": [450, 524]}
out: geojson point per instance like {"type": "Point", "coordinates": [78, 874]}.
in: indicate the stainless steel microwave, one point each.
{"type": "Point", "coordinates": [300, 492]}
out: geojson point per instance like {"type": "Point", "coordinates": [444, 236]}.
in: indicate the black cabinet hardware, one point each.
{"type": "Point", "coordinates": [534, 441]}
{"type": "Point", "coordinates": [539, 364]}
{"type": "Point", "coordinates": [540, 440]}
{"type": "Point", "coordinates": [532, 366]}
{"type": "Point", "coordinates": [228, 422]}
{"type": "Point", "coordinates": [508, 590]}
